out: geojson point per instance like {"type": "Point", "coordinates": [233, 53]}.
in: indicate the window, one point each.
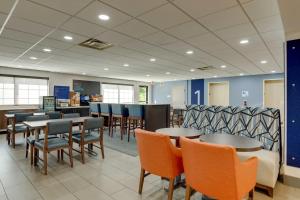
{"type": "Point", "coordinates": [117, 93]}
{"type": "Point", "coordinates": [143, 94]}
{"type": "Point", "coordinates": [7, 90]}
{"type": "Point", "coordinates": [22, 91]}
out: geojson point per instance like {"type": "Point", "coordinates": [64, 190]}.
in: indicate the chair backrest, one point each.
{"type": "Point", "coordinates": [20, 117]}
{"type": "Point", "coordinates": [155, 153]}
{"type": "Point", "coordinates": [135, 110]}
{"type": "Point", "coordinates": [105, 108]}
{"type": "Point", "coordinates": [71, 115]}
{"type": "Point", "coordinates": [119, 109]}
{"type": "Point", "coordinates": [59, 127]}
{"type": "Point", "coordinates": [13, 111]}
{"type": "Point", "coordinates": [54, 115]}
{"type": "Point", "coordinates": [93, 123]}
{"type": "Point", "coordinates": [37, 118]}
{"type": "Point", "coordinates": [95, 108]}
{"type": "Point", "coordinates": [210, 168]}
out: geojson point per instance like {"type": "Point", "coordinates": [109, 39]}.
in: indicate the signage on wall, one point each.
{"type": "Point", "coordinates": [197, 91]}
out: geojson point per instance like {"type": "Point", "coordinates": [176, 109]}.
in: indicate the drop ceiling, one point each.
{"type": "Point", "coordinates": [140, 30]}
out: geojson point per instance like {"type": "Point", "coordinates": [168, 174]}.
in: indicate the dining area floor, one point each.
{"type": "Point", "coordinates": [114, 178]}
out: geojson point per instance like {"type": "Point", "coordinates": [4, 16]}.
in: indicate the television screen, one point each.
{"type": "Point", "coordinates": [86, 88]}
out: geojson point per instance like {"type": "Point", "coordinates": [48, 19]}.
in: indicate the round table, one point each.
{"type": "Point", "coordinates": [176, 133]}
{"type": "Point", "coordinates": [240, 143]}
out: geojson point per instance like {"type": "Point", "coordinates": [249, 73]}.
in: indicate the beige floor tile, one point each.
{"type": "Point", "coordinates": [75, 184]}
{"type": "Point", "coordinates": [91, 193]}
{"type": "Point", "coordinates": [56, 191]}
{"type": "Point", "coordinates": [3, 197]}
{"type": "Point", "coordinates": [24, 191]}
{"type": "Point", "coordinates": [106, 184]}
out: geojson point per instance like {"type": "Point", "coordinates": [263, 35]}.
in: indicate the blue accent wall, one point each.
{"type": "Point", "coordinates": [197, 91]}
{"type": "Point", "coordinates": [253, 85]}
{"type": "Point", "coordinates": [293, 103]}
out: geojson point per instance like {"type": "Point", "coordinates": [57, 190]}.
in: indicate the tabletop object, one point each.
{"type": "Point", "coordinates": [240, 143]}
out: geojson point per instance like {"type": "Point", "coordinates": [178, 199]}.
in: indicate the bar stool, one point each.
{"type": "Point", "coordinates": [118, 118]}
{"type": "Point", "coordinates": [95, 109]}
{"type": "Point", "coordinates": [135, 118]}
{"type": "Point", "coordinates": [106, 113]}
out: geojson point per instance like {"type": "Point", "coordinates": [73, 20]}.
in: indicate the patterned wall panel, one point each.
{"type": "Point", "coordinates": [262, 124]}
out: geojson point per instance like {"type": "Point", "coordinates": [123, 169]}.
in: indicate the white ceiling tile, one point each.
{"type": "Point", "coordinates": [199, 8]}
{"type": "Point", "coordinates": [67, 6]}
{"type": "Point", "coordinates": [114, 38]}
{"type": "Point", "coordinates": [225, 18]}
{"type": "Point", "coordinates": [52, 43]}
{"type": "Point", "coordinates": [186, 30]}
{"type": "Point", "coordinates": [207, 41]}
{"type": "Point", "coordinates": [40, 14]}
{"type": "Point", "coordinates": [272, 23]}
{"type": "Point", "coordinates": [159, 38]}
{"type": "Point", "coordinates": [135, 28]}
{"type": "Point", "coordinates": [277, 35]}
{"type": "Point", "coordinates": [164, 17]}
{"type": "Point", "coordinates": [20, 36]}
{"type": "Point", "coordinates": [14, 43]}
{"type": "Point", "coordinates": [92, 12]}
{"type": "Point", "coordinates": [81, 27]}
{"type": "Point", "coordinates": [6, 6]}
{"type": "Point", "coordinates": [255, 44]}
{"type": "Point", "coordinates": [135, 7]}
{"type": "Point", "coordinates": [59, 36]}
{"type": "Point", "coordinates": [242, 31]}
{"type": "Point", "coordinates": [28, 26]}
{"type": "Point", "coordinates": [258, 9]}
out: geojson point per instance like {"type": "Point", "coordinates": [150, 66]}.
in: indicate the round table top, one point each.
{"type": "Point", "coordinates": [240, 143]}
{"type": "Point", "coordinates": [175, 133]}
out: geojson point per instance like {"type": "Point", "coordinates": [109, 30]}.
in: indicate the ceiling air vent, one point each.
{"type": "Point", "coordinates": [205, 68]}
{"type": "Point", "coordinates": [95, 44]}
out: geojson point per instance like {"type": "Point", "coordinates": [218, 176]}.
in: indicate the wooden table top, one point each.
{"type": "Point", "coordinates": [13, 115]}
{"type": "Point", "coordinates": [175, 133]}
{"type": "Point", "coordinates": [240, 143]}
{"type": "Point", "coordinates": [43, 123]}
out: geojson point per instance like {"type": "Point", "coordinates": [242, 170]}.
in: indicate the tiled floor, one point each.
{"type": "Point", "coordinates": [114, 178]}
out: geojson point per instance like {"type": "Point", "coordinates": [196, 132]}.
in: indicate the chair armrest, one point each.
{"type": "Point", "coordinates": [246, 172]}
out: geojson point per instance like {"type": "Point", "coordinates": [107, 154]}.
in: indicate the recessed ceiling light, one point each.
{"type": "Point", "coordinates": [67, 37]}
{"type": "Point", "coordinates": [152, 59]}
{"type": "Point", "coordinates": [189, 52]}
{"type": "Point", "coordinates": [33, 58]}
{"type": "Point", "coordinates": [273, 71]}
{"type": "Point", "coordinates": [106, 69]}
{"type": "Point", "coordinates": [215, 76]}
{"type": "Point", "coordinates": [147, 75]}
{"type": "Point", "coordinates": [244, 41]}
{"type": "Point", "coordinates": [242, 74]}
{"type": "Point", "coordinates": [83, 73]}
{"type": "Point", "coordinates": [192, 70]}
{"type": "Point", "coordinates": [223, 66]}
{"type": "Point", "coordinates": [103, 17]}
{"type": "Point", "coordinates": [47, 50]}
{"type": "Point", "coordinates": [263, 62]}
{"type": "Point", "coordinates": [168, 73]}
{"type": "Point", "coordinates": [125, 65]}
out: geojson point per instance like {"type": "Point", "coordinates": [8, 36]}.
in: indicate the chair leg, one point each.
{"type": "Point", "coordinates": [14, 140]}
{"type": "Point", "coordinates": [62, 154]}
{"type": "Point", "coordinates": [45, 158]}
{"type": "Point", "coordinates": [122, 127]}
{"type": "Point", "coordinates": [82, 152]}
{"type": "Point", "coordinates": [251, 194]}
{"type": "Point", "coordinates": [129, 121]}
{"type": "Point", "coordinates": [8, 138]}
{"type": "Point", "coordinates": [58, 155]}
{"type": "Point", "coordinates": [171, 189]}
{"type": "Point", "coordinates": [142, 176]}
{"type": "Point", "coordinates": [101, 146]}
{"type": "Point", "coordinates": [187, 192]}
{"type": "Point", "coordinates": [71, 156]}
{"type": "Point", "coordinates": [31, 154]}
{"type": "Point", "coordinates": [27, 148]}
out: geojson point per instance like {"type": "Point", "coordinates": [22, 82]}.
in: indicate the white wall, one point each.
{"type": "Point", "coordinates": [67, 80]}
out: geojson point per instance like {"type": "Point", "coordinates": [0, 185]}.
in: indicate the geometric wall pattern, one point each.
{"type": "Point", "coordinates": [262, 124]}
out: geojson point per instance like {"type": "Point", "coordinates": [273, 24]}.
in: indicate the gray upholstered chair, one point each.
{"type": "Point", "coordinates": [54, 115]}
{"type": "Point", "coordinates": [118, 118]}
{"type": "Point", "coordinates": [91, 132]}
{"type": "Point", "coordinates": [135, 118]}
{"type": "Point", "coordinates": [71, 115]}
{"type": "Point", "coordinates": [30, 138]}
{"type": "Point", "coordinates": [55, 144]}
{"type": "Point", "coordinates": [17, 126]}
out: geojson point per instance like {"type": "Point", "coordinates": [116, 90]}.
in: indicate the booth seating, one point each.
{"type": "Point", "coordinates": [106, 113]}
{"type": "Point", "coordinates": [262, 124]}
{"type": "Point", "coordinates": [136, 118]}
{"type": "Point", "coordinates": [95, 109]}
{"type": "Point", "coordinates": [119, 118]}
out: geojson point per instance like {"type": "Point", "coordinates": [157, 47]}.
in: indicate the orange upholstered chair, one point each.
{"type": "Point", "coordinates": [158, 156]}
{"type": "Point", "coordinates": [216, 171]}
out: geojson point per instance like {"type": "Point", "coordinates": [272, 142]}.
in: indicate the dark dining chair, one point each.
{"type": "Point", "coordinates": [73, 115]}
{"type": "Point", "coordinates": [95, 109]}
{"type": "Point", "coordinates": [118, 118]}
{"type": "Point", "coordinates": [60, 143]}
{"type": "Point", "coordinates": [106, 113]}
{"type": "Point", "coordinates": [17, 126]}
{"type": "Point", "coordinates": [92, 132]}
{"type": "Point", "coordinates": [135, 118]}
